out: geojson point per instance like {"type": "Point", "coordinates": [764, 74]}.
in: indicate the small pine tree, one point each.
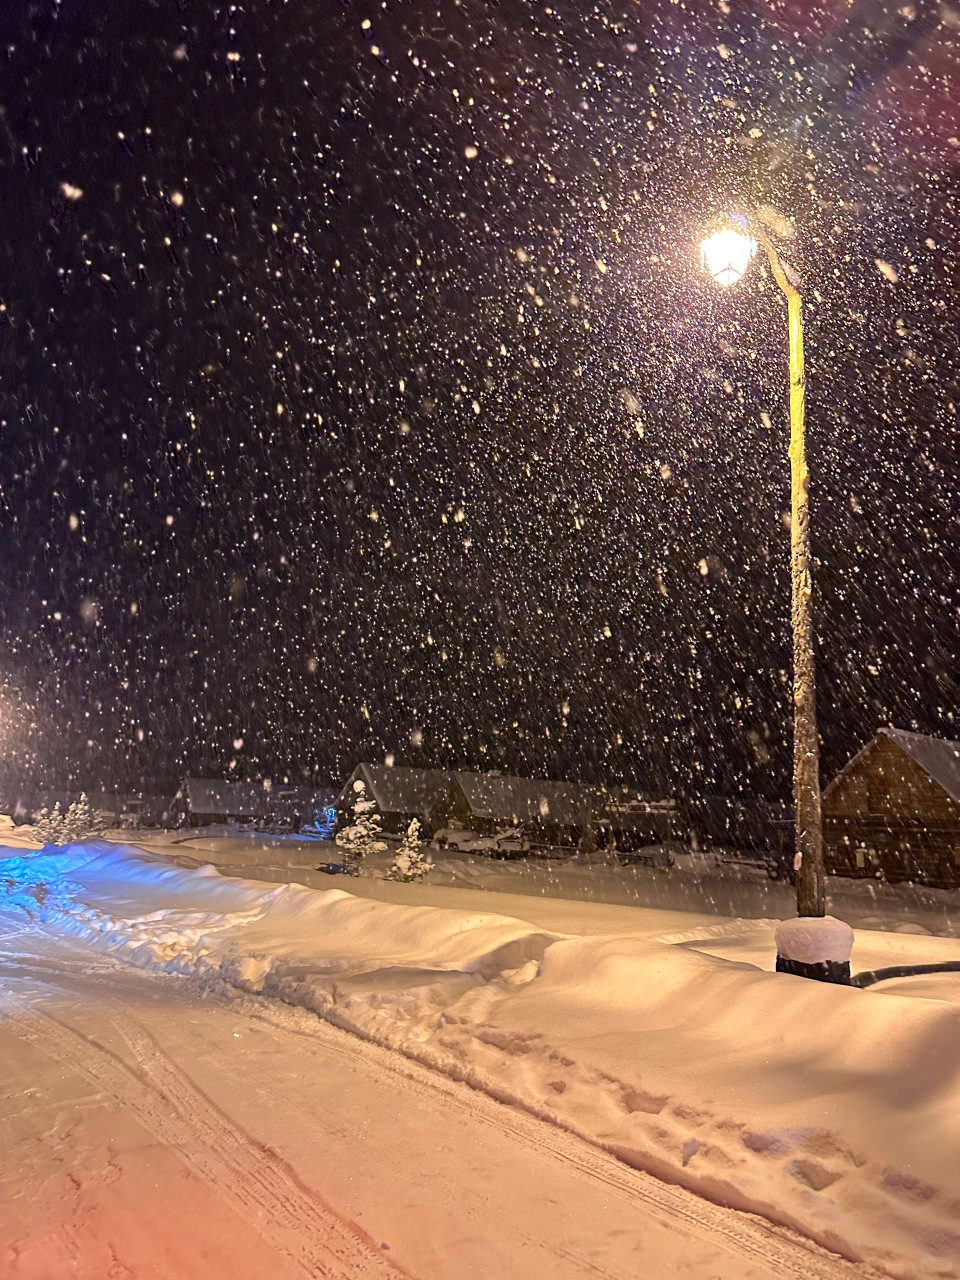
{"type": "Point", "coordinates": [588, 839]}
{"type": "Point", "coordinates": [362, 837]}
{"type": "Point", "coordinates": [410, 862]}
{"type": "Point", "coordinates": [49, 825]}
{"type": "Point", "coordinates": [78, 823]}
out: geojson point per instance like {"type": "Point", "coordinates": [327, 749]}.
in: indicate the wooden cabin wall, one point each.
{"type": "Point", "coordinates": [887, 782]}
{"type": "Point", "coordinates": [887, 818]}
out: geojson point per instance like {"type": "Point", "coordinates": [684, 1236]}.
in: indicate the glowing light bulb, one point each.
{"type": "Point", "coordinates": [726, 253]}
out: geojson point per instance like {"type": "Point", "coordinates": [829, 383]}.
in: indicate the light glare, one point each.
{"type": "Point", "coordinates": [726, 254]}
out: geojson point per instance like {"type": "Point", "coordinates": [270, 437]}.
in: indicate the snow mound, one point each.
{"type": "Point", "coordinates": [824, 1108]}
{"type": "Point", "coordinates": [194, 919]}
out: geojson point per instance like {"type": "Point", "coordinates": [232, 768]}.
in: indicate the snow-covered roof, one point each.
{"type": "Point", "coordinates": [937, 757]}
{"type": "Point", "coordinates": [248, 799]}
{"type": "Point", "coordinates": [398, 789]}
{"type": "Point", "coordinates": [501, 797]}
{"type": "Point", "coordinates": [622, 803]}
{"type": "Point", "coordinates": [497, 797]}
{"type": "Point", "coordinates": [99, 801]}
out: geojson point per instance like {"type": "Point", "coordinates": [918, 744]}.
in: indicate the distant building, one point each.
{"type": "Point", "coordinates": [551, 812]}
{"type": "Point", "coordinates": [893, 811]}
{"type": "Point", "coordinates": [28, 804]}
{"type": "Point", "coordinates": [204, 802]}
{"type": "Point", "coordinates": [555, 813]}
{"type": "Point", "coordinates": [400, 795]}
{"type": "Point", "coordinates": [146, 810]}
{"type": "Point", "coordinates": [639, 820]}
{"type": "Point", "coordinates": [738, 826]}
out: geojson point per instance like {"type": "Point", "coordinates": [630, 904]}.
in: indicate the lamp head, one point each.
{"type": "Point", "coordinates": [726, 252]}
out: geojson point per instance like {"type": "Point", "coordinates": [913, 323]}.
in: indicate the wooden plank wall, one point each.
{"type": "Point", "coordinates": [887, 818]}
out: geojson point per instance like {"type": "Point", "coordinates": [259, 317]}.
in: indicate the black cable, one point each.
{"type": "Point", "coordinates": [870, 976]}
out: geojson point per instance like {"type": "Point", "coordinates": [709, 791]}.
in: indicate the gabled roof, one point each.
{"type": "Point", "coordinates": [215, 795]}
{"type": "Point", "coordinates": [399, 789]}
{"type": "Point", "coordinates": [248, 799]}
{"type": "Point", "coordinates": [496, 797]}
{"type": "Point", "coordinates": [937, 757]}
{"type": "Point", "coordinates": [500, 797]}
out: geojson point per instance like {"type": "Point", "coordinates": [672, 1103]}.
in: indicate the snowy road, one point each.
{"type": "Point", "coordinates": [149, 1130]}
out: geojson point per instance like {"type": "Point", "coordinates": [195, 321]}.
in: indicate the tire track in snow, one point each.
{"type": "Point", "coordinates": [168, 1076]}
{"type": "Point", "coordinates": [789, 1254]}
{"type": "Point", "coordinates": [252, 1178]}
{"type": "Point", "coordinates": [169, 1079]}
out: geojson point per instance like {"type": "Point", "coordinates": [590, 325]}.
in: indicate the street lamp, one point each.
{"type": "Point", "coordinates": [726, 254]}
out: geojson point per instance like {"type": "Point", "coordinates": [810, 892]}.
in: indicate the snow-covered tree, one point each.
{"type": "Point", "coordinates": [587, 845]}
{"type": "Point", "coordinates": [410, 862]}
{"type": "Point", "coordinates": [78, 823]}
{"type": "Point", "coordinates": [362, 837]}
{"type": "Point", "coordinates": [48, 826]}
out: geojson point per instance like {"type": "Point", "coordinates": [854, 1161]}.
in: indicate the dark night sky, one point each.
{"type": "Point", "coordinates": [361, 393]}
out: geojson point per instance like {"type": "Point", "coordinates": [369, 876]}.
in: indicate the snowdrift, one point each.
{"type": "Point", "coordinates": [827, 1109]}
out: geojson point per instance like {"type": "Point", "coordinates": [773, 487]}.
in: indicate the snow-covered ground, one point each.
{"type": "Point", "coordinates": [149, 1131]}
{"type": "Point", "coordinates": [164, 1127]}
{"type": "Point", "coordinates": [567, 896]}
{"type": "Point", "coordinates": [832, 1111]}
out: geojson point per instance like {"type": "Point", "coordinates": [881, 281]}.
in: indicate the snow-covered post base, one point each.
{"type": "Point", "coordinates": [815, 947]}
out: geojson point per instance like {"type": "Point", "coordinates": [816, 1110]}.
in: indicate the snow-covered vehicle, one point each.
{"type": "Point", "coordinates": [651, 855]}
{"type": "Point", "coordinates": [509, 842]}
{"type": "Point", "coordinates": [506, 842]}
{"type": "Point", "coordinates": [780, 865]}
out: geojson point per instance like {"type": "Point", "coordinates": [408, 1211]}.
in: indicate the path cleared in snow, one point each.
{"type": "Point", "coordinates": [151, 1129]}
{"type": "Point", "coordinates": [828, 1110]}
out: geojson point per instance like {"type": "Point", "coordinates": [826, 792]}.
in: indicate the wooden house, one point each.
{"type": "Point", "coordinates": [204, 802]}
{"type": "Point", "coordinates": [400, 795]}
{"type": "Point", "coordinates": [546, 812]}
{"type": "Point", "coordinates": [637, 820]}
{"type": "Point", "coordinates": [144, 809]}
{"type": "Point", "coordinates": [555, 813]}
{"type": "Point", "coordinates": [893, 811]}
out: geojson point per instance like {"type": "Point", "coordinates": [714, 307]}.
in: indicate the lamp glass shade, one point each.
{"type": "Point", "coordinates": [726, 254]}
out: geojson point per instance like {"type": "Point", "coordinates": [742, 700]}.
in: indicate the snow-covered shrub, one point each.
{"type": "Point", "coordinates": [410, 862]}
{"type": "Point", "coordinates": [587, 844]}
{"type": "Point", "coordinates": [362, 837]}
{"type": "Point", "coordinates": [78, 823]}
{"type": "Point", "coordinates": [48, 825]}
{"type": "Point", "coordinates": [81, 822]}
